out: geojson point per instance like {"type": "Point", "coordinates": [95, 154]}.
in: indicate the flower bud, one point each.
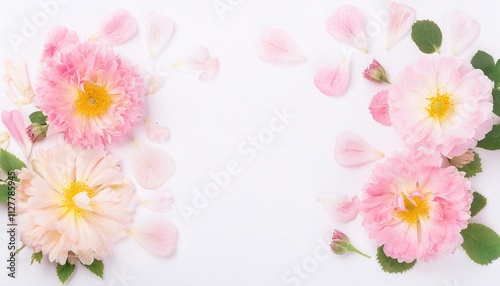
{"type": "Point", "coordinates": [37, 132]}
{"type": "Point", "coordinates": [340, 242]}
{"type": "Point", "coordinates": [462, 160]}
{"type": "Point", "coordinates": [375, 72]}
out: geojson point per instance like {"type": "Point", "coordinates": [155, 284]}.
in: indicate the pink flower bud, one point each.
{"type": "Point", "coordinates": [37, 132]}
{"type": "Point", "coordinates": [340, 242]}
{"type": "Point", "coordinates": [375, 72]}
{"type": "Point", "coordinates": [462, 160]}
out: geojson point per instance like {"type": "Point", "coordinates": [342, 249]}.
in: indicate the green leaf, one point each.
{"type": "Point", "coordinates": [427, 35]}
{"type": "Point", "coordinates": [485, 62]}
{"type": "Point", "coordinates": [4, 193]}
{"type": "Point", "coordinates": [492, 140]}
{"type": "Point", "coordinates": [478, 203]}
{"type": "Point", "coordinates": [496, 102]}
{"type": "Point", "coordinates": [496, 75]}
{"type": "Point", "coordinates": [9, 162]}
{"type": "Point", "coordinates": [37, 257]}
{"type": "Point", "coordinates": [473, 167]}
{"type": "Point", "coordinates": [97, 267]}
{"type": "Point", "coordinates": [392, 265]}
{"type": "Point", "coordinates": [65, 271]}
{"type": "Point", "coordinates": [38, 117]}
{"type": "Point", "coordinates": [481, 243]}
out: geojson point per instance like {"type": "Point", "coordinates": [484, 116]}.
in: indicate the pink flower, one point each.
{"type": "Point", "coordinates": [442, 103]}
{"type": "Point", "coordinates": [379, 107]}
{"type": "Point", "coordinates": [57, 39]}
{"type": "Point", "coordinates": [342, 208]}
{"type": "Point", "coordinates": [90, 95]}
{"type": "Point", "coordinates": [415, 208]}
{"type": "Point", "coordinates": [14, 121]}
{"type": "Point", "coordinates": [277, 46]}
{"type": "Point", "coordinates": [333, 78]}
{"type": "Point", "coordinates": [375, 72]}
{"type": "Point", "coordinates": [400, 18]}
{"type": "Point", "coordinates": [347, 25]}
{"type": "Point", "coordinates": [351, 150]}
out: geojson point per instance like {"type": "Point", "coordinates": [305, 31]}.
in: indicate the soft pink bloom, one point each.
{"type": "Point", "coordinates": [90, 94]}
{"type": "Point", "coordinates": [155, 132]}
{"type": "Point", "coordinates": [116, 28]}
{"type": "Point", "coordinates": [74, 203]}
{"type": "Point", "coordinates": [160, 201]}
{"type": "Point", "coordinates": [18, 83]}
{"type": "Point", "coordinates": [463, 31]}
{"type": "Point", "coordinates": [375, 72]}
{"type": "Point", "coordinates": [58, 39]}
{"type": "Point", "coordinates": [333, 78]}
{"type": "Point", "coordinates": [14, 121]}
{"type": "Point", "coordinates": [151, 167]}
{"type": "Point", "coordinates": [198, 62]}
{"type": "Point", "coordinates": [462, 160]}
{"type": "Point", "coordinates": [415, 208]}
{"type": "Point", "coordinates": [347, 25]}
{"type": "Point", "coordinates": [4, 140]}
{"type": "Point", "coordinates": [158, 31]}
{"type": "Point", "coordinates": [277, 46]}
{"type": "Point", "coordinates": [157, 237]}
{"type": "Point", "coordinates": [379, 107]}
{"type": "Point", "coordinates": [341, 208]}
{"type": "Point", "coordinates": [351, 150]}
{"type": "Point", "coordinates": [442, 103]}
{"type": "Point", "coordinates": [400, 18]}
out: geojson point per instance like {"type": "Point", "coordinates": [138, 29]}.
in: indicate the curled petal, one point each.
{"type": "Point", "coordinates": [198, 62]}
{"type": "Point", "coordinates": [463, 31]}
{"type": "Point", "coordinates": [19, 88]}
{"type": "Point", "coordinates": [333, 79]}
{"type": "Point", "coordinates": [277, 46]}
{"type": "Point", "coordinates": [161, 201]}
{"type": "Point", "coordinates": [158, 29]}
{"type": "Point", "coordinates": [379, 107]}
{"type": "Point", "coordinates": [58, 38]}
{"type": "Point", "coordinates": [351, 150]}
{"type": "Point", "coordinates": [152, 168]}
{"type": "Point", "coordinates": [400, 18]}
{"type": "Point", "coordinates": [157, 237]}
{"type": "Point", "coordinates": [4, 140]}
{"type": "Point", "coordinates": [117, 28]}
{"type": "Point", "coordinates": [155, 131]}
{"type": "Point", "coordinates": [14, 122]}
{"type": "Point", "coordinates": [341, 208]}
{"type": "Point", "coordinates": [347, 25]}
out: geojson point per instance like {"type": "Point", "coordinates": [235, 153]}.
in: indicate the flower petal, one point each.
{"type": "Point", "coordinates": [333, 79]}
{"type": "Point", "coordinates": [198, 62]}
{"type": "Point", "coordinates": [117, 28]}
{"type": "Point", "coordinates": [158, 29]}
{"type": "Point", "coordinates": [351, 150]}
{"type": "Point", "coordinates": [155, 131]}
{"type": "Point", "coordinates": [155, 83]}
{"type": "Point", "coordinates": [152, 167]}
{"type": "Point", "coordinates": [19, 88]}
{"type": "Point", "coordinates": [277, 46]}
{"type": "Point", "coordinates": [341, 208]}
{"type": "Point", "coordinates": [4, 140]}
{"type": "Point", "coordinates": [58, 38]}
{"type": "Point", "coordinates": [463, 31]}
{"type": "Point", "coordinates": [379, 107]}
{"type": "Point", "coordinates": [157, 237]}
{"type": "Point", "coordinates": [161, 201]}
{"type": "Point", "coordinates": [347, 25]}
{"type": "Point", "coordinates": [14, 122]}
{"type": "Point", "coordinates": [400, 18]}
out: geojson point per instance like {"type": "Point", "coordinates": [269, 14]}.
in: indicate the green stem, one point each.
{"type": "Point", "coordinates": [353, 249]}
{"type": "Point", "coordinates": [19, 250]}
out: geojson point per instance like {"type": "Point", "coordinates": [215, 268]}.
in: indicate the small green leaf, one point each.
{"type": "Point", "coordinates": [392, 265]}
{"type": "Point", "coordinates": [473, 167]}
{"type": "Point", "coordinates": [38, 117]}
{"type": "Point", "coordinates": [4, 193]}
{"type": "Point", "coordinates": [492, 140]}
{"type": "Point", "coordinates": [9, 162]}
{"type": "Point", "coordinates": [65, 271]}
{"type": "Point", "coordinates": [37, 257]}
{"type": "Point", "coordinates": [97, 267]}
{"type": "Point", "coordinates": [485, 62]}
{"type": "Point", "coordinates": [496, 101]}
{"type": "Point", "coordinates": [478, 203]}
{"type": "Point", "coordinates": [427, 35]}
{"type": "Point", "coordinates": [481, 243]}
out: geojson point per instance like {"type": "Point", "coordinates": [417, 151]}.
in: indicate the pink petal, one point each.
{"type": "Point", "coordinates": [157, 237]}
{"type": "Point", "coordinates": [351, 150]}
{"type": "Point", "coordinates": [16, 125]}
{"type": "Point", "coordinates": [152, 167]}
{"type": "Point", "coordinates": [158, 29]}
{"type": "Point", "coordinates": [341, 208]}
{"type": "Point", "coordinates": [463, 31]}
{"type": "Point", "coordinates": [347, 25]}
{"type": "Point", "coordinates": [19, 88]}
{"type": "Point", "coordinates": [277, 46]}
{"type": "Point", "coordinates": [155, 83]}
{"type": "Point", "coordinates": [379, 107]}
{"type": "Point", "coordinates": [161, 201]}
{"type": "Point", "coordinates": [333, 79]}
{"type": "Point", "coordinates": [155, 131]}
{"type": "Point", "coordinates": [58, 38]}
{"type": "Point", "coordinates": [198, 62]}
{"type": "Point", "coordinates": [116, 28]}
{"type": "Point", "coordinates": [400, 18]}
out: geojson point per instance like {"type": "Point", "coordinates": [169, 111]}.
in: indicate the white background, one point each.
{"type": "Point", "coordinates": [267, 220]}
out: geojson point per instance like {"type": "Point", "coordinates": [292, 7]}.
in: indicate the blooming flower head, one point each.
{"type": "Point", "coordinates": [415, 208]}
{"type": "Point", "coordinates": [74, 203]}
{"type": "Point", "coordinates": [375, 72]}
{"type": "Point", "coordinates": [89, 93]}
{"type": "Point", "coordinates": [442, 103]}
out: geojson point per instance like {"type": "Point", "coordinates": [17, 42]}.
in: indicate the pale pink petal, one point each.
{"type": "Point", "coordinates": [463, 31]}
{"type": "Point", "coordinates": [19, 88]}
{"type": "Point", "coordinates": [161, 201]}
{"type": "Point", "coordinates": [16, 125]}
{"type": "Point", "coordinates": [333, 79]}
{"type": "Point", "coordinates": [155, 131]}
{"type": "Point", "coordinates": [157, 237]}
{"type": "Point", "coordinates": [158, 31]}
{"type": "Point", "coordinates": [400, 18]}
{"type": "Point", "coordinates": [347, 25]}
{"type": "Point", "coordinates": [351, 150]}
{"type": "Point", "coordinates": [4, 140]}
{"type": "Point", "coordinates": [379, 107]}
{"type": "Point", "coordinates": [155, 83]}
{"type": "Point", "coordinates": [198, 62]}
{"type": "Point", "coordinates": [277, 46]}
{"type": "Point", "coordinates": [58, 38]}
{"type": "Point", "coordinates": [341, 208]}
{"type": "Point", "coordinates": [152, 167]}
{"type": "Point", "coordinates": [116, 28]}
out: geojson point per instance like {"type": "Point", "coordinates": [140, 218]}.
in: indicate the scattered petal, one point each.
{"type": "Point", "coordinates": [14, 122]}
{"type": "Point", "coordinates": [198, 62]}
{"type": "Point", "coordinates": [152, 167]}
{"type": "Point", "coordinates": [19, 88]}
{"type": "Point", "coordinates": [4, 140]}
{"type": "Point", "coordinates": [400, 18]}
{"type": "Point", "coordinates": [59, 37]}
{"type": "Point", "coordinates": [351, 150]}
{"type": "Point", "coordinates": [278, 47]}
{"type": "Point", "coordinates": [155, 131]}
{"type": "Point", "coordinates": [375, 72]}
{"type": "Point", "coordinates": [157, 237]}
{"type": "Point", "coordinates": [342, 208]}
{"type": "Point", "coordinates": [161, 201]}
{"type": "Point", "coordinates": [159, 29]}
{"type": "Point", "coordinates": [116, 28]}
{"type": "Point", "coordinates": [463, 31]}
{"type": "Point", "coordinates": [333, 79]}
{"type": "Point", "coordinates": [347, 25]}
{"type": "Point", "coordinates": [379, 107]}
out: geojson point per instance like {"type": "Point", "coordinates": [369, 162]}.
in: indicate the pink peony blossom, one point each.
{"type": "Point", "coordinates": [442, 103]}
{"type": "Point", "coordinates": [415, 208]}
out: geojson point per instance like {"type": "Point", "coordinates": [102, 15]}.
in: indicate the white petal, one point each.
{"type": "Point", "coordinates": [157, 237]}
{"type": "Point", "coordinates": [198, 62]}
{"type": "Point", "coordinates": [4, 140]}
{"type": "Point", "coordinates": [161, 201]}
{"type": "Point", "coordinates": [341, 208]}
{"type": "Point", "coordinates": [151, 167]}
{"type": "Point", "coordinates": [156, 132]}
{"type": "Point", "coordinates": [19, 88]}
{"type": "Point", "coordinates": [351, 149]}
{"type": "Point", "coordinates": [158, 31]}
{"type": "Point", "coordinates": [277, 46]}
{"type": "Point", "coordinates": [463, 31]}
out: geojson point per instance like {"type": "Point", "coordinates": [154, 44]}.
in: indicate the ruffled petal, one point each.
{"type": "Point", "coordinates": [400, 18]}
{"type": "Point", "coordinates": [117, 28]}
{"type": "Point", "coordinates": [463, 31]}
{"type": "Point", "coordinates": [152, 167]}
{"type": "Point", "coordinates": [198, 62]}
{"type": "Point", "coordinates": [347, 25]}
{"type": "Point", "coordinates": [379, 107]}
{"type": "Point", "coordinates": [158, 31]}
{"type": "Point", "coordinates": [341, 208]}
{"type": "Point", "coordinates": [333, 79]}
{"type": "Point", "coordinates": [155, 132]}
{"type": "Point", "coordinates": [277, 46]}
{"type": "Point", "coordinates": [351, 150]}
{"type": "Point", "coordinates": [157, 237]}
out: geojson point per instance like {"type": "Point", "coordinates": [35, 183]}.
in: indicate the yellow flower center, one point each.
{"type": "Point", "coordinates": [70, 192]}
{"type": "Point", "coordinates": [439, 106]}
{"type": "Point", "coordinates": [93, 101]}
{"type": "Point", "coordinates": [415, 209]}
